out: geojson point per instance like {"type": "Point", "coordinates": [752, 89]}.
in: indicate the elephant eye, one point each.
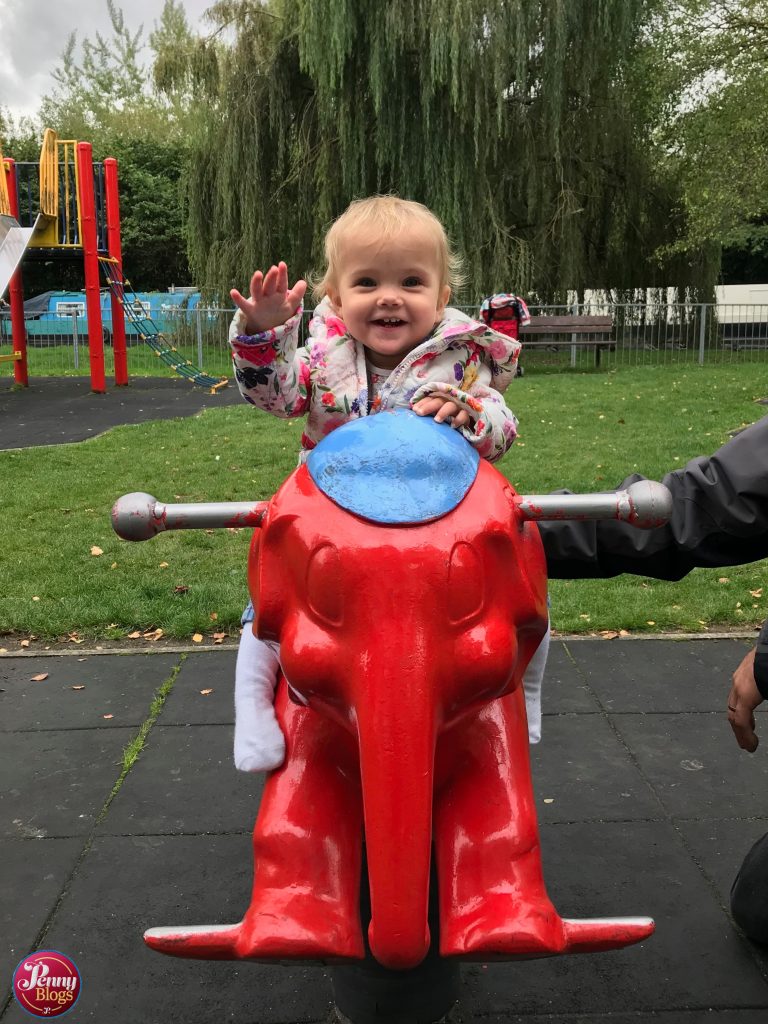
{"type": "Point", "coordinates": [465, 583]}
{"type": "Point", "coordinates": [324, 585]}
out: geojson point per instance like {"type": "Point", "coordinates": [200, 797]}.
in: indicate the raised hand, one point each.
{"type": "Point", "coordinates": [271, 301]}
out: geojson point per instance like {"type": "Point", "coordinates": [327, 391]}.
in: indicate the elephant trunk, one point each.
{"type": "Point", "coordinates": [396, 729]}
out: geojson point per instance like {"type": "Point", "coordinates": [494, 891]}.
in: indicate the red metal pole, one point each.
{"type": "Point", "coordinates": [91, 265]}
{"type": "Point", "coordinates": [15, 291]}
{"type": "Point", "coordinates": [114, 248]}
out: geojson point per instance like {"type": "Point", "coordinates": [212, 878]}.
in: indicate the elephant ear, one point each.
{"type": "Point", "coordinates": [394, 467]}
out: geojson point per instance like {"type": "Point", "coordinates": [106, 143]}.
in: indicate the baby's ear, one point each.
{"type": "Point", "coordinates": [445, 296]}
{"type": "Point", "coordinates": [335, 300]}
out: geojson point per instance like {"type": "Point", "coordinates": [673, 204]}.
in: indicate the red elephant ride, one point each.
{"type": "Point", "coordinates": [406, 585]}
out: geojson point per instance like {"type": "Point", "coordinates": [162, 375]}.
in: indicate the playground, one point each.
{"type": "Point", "coordinates": [644, 800]}
{"type": "Point", "coordinates": [68, 205]}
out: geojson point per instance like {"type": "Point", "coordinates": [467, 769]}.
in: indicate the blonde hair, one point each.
{"type": "Point", "coordinates": [386, 217]}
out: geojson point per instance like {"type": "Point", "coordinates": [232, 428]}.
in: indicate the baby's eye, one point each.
{"type": "Point", "coordinates": [365, 282]}
{"type": "Point", "coordinates": [412, 282]}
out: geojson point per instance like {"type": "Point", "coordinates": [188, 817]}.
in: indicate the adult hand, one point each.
{"type": "Point", "coordinates": [271, 301]}
{"type": "Point", "coordinates": [742, 701]}
{"type": "Point", "coordinates": [442, 408]}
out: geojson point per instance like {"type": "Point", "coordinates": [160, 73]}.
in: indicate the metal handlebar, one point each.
{"type": "Point", "coordinates": [138, 516]}
{"type": "Point", "coordinates": [645, 504]}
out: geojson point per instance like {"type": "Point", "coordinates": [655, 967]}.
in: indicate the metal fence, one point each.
{"type": "Point", "coordinates": [641, 335]}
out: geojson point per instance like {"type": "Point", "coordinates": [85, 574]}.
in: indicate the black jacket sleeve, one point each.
{"type": "Point", "coordinates": [719, 518]}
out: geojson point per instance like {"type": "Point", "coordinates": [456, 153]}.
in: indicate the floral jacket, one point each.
{"type": "Point", "coordinates": [328, 379]}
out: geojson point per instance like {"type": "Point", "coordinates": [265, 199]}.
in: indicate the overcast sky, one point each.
{"type": "Point", "coordinates": [33, 34]}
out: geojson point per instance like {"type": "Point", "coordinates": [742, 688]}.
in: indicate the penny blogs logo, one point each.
{"type": "Point", "coordinates": [46, 983]}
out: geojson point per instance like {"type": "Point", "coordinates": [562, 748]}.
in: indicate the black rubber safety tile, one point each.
{"type": "Point", "coordinates": [185, 782]}
{"type": "Point", "coordinates": [659, 675]}
{"type": "Point", "coordinates": [79, 691]}
{"type": "Point", "coordinates": [204, 691]}
{"type": "Point", "coordinates": [694, 765]}
{"type": "Point", "coordinates": [33, 875]}
{"type": "Point", "coordinates": [564, 689]}
{"type": "Point", "coordinates": [55, 783]}
{"type": "Point", "coordinates": [55, 410]}
{"type": "Point", "coordinates": [124, 886]}
{"type": "Point", "coordinates": [695, 961]}
{"type": "Point", "coordinates": [582, 772]}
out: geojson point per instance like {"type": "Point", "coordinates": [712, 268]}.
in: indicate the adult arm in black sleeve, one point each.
{"type": "Point", "coordinates": [719, 518]}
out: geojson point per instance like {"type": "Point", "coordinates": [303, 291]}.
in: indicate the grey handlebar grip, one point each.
{"type": "Point", "coordinates": [139, 516]}
{"type": "Point", "coordinates": [645, 504]}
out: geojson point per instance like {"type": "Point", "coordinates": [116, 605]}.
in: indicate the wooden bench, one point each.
{"type": "Point", "coordinates": [582, 331]}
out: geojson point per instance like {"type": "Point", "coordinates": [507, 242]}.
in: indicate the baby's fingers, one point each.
{"type": "Point", "coordinates": [256, 286]}
{"type": "Point", "coordinates": [448, 409]}
{"type": "Point", "coordinates": [296, 294]}
{"type": "Point", "coordinates": [270, 282]}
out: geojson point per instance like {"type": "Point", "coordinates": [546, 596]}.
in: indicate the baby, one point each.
{"type": "Point", "coordinates": [381, 337]}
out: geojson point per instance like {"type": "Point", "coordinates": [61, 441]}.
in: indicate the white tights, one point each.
{"type": "Point", "coordinates": [259, 742]}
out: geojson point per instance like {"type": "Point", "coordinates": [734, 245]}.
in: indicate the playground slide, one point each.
{"type": "Point", "coordinates": [13, 243]}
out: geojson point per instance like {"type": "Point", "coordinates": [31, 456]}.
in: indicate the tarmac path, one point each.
{"type": "Point", "coordinates": [60, 410]}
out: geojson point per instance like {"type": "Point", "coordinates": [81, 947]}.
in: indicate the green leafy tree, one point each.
{"type": "Point", "coordinates": [519, 123]}
{"type": "Point", "coordinates": [714, 55]}
{"type": "Point", "coordinates": [104, 94]}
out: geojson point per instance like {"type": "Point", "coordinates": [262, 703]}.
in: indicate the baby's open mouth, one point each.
{"type": "Point", "coordinates": [389, 321]}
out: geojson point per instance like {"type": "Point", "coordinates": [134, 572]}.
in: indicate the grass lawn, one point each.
{"type": "Point", "coordinates": [584, 431]}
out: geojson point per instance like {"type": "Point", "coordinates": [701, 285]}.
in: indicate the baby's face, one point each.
{"type": "Point", "coordinates": [389, 294]}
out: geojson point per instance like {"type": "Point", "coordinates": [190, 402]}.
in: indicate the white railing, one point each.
{"type": "Point", "coordinates": [642, 334]}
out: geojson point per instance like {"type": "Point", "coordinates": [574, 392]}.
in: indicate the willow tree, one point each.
{"type": "Point", "coordinates": [518, 122]}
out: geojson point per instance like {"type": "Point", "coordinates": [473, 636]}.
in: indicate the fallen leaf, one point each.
{"type": "Point", "coordinates": [96, 551]}
{"type": "Point", "coordinates": [134, 635]}
{"type": "Point", "coordinates": [584, 616]}
{"type": "Point", "coordinates": [113, 566]}
{"type": "Point", "coordinates": [757, 593]}
{"type": "Point", "coordinates": [24, 643]}
{"type": "Point", "coordinates": [80, 686]}
{"type": "Point", "coordinates": [75, 639]}
{"type": "Point", "coordinates": [214, 615]}
{"type": "Point", "coordinates": [197, 638]}
{"type": "Point", "coordinates": [609, 634]}
{"type": "Point", "coordinates": [549, 799]}
{"type": "Point", "coordinates": [163, 565]}
{"type": "Point", "coordinates": [35, 598]}
{"type": "Point", "coordinates": [724, 579]}
{"type": "Point", "coordinates": [181, 589]}
{"type": "Point", "coordinates": [153, 634]}
{"type": "Point", "coordinates": [623, 632]}
{"type": "Point", "coordinates": [38, 678]}
{"type": "Point", "coordinates": [205, 693]}
{"type": "Point", "coordinates": [107, 716]}
{"type": "Point", "coordinates": [650, 622]}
